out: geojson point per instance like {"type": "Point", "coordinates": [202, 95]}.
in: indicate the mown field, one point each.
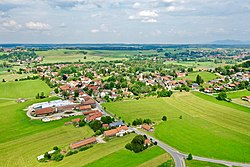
{"type": "Point", "coordinates": [127, 158]}
{"type": "Point", "coordinates": [23, 89]}
{"type": "Point", "coordinates": [194, 163]}
{"type": "Point", "coordinates": [206, 76]}
{"type": "Point", "coordinates": [197, 65]}
{"type": "Point", "coordinates": [11, 77]}
{"type": "Point", "coordinates": [22, 139]}
{"type": "Point", "coordinates": [208, 127]}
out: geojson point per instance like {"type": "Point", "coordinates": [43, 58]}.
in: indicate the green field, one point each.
{"type": "Point", "coordinates": [127, 158]}
{"type": "Point", "coordinates": [197, 65]}
{"type": "Point", "coordinates": [11, 77]}
{"type": "Point", "coordinates": [206, 76]}
{"type": "Point", "coordinates": [236, 94]}
{"type": "Point", "coordinates": [55, 56]}
{"type": "Point", "coordinates": [23, 89]}
{"type": "Point", "coordinates": [195, 163]}
{"type": "Point", "coordinates": [224, 126]}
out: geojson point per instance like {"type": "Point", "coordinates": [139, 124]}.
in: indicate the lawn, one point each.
{"type": "Point", "coordinates": [197, 65]}
{"type": "Point", "coordinates": [23, 89]}
{"type": "Point", "coordinates": [238, 94]}
{"type": "Point", "coordinates": [127, 158]}
{"type": "Point", "coordinates": [224, 126]}
{"type": "Point", "coordinates": [194, 163]}
{"type": "Point", "coordinates": [206, 76]}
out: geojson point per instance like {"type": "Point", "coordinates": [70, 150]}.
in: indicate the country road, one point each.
{"type": "Point", "coordinates": [179, 158]}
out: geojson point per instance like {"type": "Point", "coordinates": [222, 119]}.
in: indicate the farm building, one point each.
{"type": "Point", "coordinates": [119, 131]}
{"type": "Point", "coordinates": [82, 143]}
{"type": "Point", "coordinates": [147, 127]}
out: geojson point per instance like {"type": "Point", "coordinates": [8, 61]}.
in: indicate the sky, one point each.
{"type": "Point", "coordinates": [123, 21]}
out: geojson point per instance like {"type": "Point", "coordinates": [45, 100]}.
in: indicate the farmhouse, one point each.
{"type": "Point", "coordinates": [82, 143]}
{"type": "Point", "coordinates": [147, 127]}
{"type": "Point", "coordinates": [116, 124]}
{"type": "Point", "coordinates": [119, 131]}
{"type": "Point", "coordinates": [93, 116]}
{"type": "Point", "coordinates": [87, 107]}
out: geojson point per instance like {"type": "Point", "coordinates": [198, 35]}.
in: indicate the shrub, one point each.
{"type": "Point", "coordinates": [190, 157]}
{"type": "Point", "coordinates": [71, 153]}
{"type": "Point", "coordinates": [85, 148]}
{"type": "Point", "coordinates": [164, 118]}
{"type": "Point", "coordinates": [57, 157]}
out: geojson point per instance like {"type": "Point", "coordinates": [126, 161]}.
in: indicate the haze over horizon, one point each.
{"type": "Point", "coordinates": [123, 21]}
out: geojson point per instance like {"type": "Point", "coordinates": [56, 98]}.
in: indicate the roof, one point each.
{"type": "Point", "coordinates": [93, 116]}
{"type": "Point", "coordinates": [76, 120]}
{"type": "Point", "coordinates": [42, 111]}
{"type": "Point", "coordinates": [146, 127]}
{"type": "Point", "coordinates": [116, 124]}
{"type": "Point", "coordinates": [89, 112]}
{"type": "Point", "coordinates": [89, 102]}
{"type": "Point", "coordinates": [113, 132]}
{"type": "Point", "coordinates": [146, 141]}
{"type": "Point", "coordinates": [87, 107]}
{"type": "Point", "coordinates": [83, 142]}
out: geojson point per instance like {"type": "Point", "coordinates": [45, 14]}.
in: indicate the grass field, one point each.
{"type": "Point", "coordinates": [197, 65]}
{"type": "Point", "coordinates": [23, 89]}
{"type": "Point", "coordinates": [238, 94]}
{"type": "Point", "coordinates": [11, 77]}
{"type": "Point", "coordinates": [127, 158]}
{"type": "Point", "coordinates": [195, 163]}
{"type": "Point", "coordinates": [55, 56]}
{"type": "Point", "coordinates": [224, 126]}
{"type": "Point", "coordinates": [206, 76]}
{"type": "Point", "coordinates": [241, 102]}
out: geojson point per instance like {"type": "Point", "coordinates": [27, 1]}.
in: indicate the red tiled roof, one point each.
{"type": "Point", "coordinates": [113, 132]}
{"type": "Point", "coordinates": [83, 142]}
{"type": "Point", "coordinates": [146, 127]}
{"type": "Point", "coordinates": [87, 107]}
{"type": "Point", "coordinates": [42, 111]}
{"type": "Point", "coordinates": [76, 120]}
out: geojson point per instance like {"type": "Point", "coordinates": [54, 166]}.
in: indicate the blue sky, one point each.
{"type": "Point", "coordinates": [123, 21]}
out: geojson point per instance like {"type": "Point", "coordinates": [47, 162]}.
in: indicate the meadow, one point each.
{"type": "Point", "coordinates": [23, 89]}
{"type": "Point", "coordinates": [206, 76]}
{"type": "Point", "coordinates": [197, 65]}
{"type": "Point", "coordinates": [207, 128]}
{"type": "Point", "coordinates": [11, 77]}
{"type": "Point", "coordinates": [194, 163]}
{"type": "Point", "coordinates": [236, 94]}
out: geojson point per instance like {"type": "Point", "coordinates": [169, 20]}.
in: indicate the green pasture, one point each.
{"type": "Point", "coordinates": [208, 127]}
{"type": "Point", "coordinates": [206, 76]}
{"type": "Point", "coordinates": [195, 163]}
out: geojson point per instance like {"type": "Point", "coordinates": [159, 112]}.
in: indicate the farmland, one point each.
{"type": "Point", "coordinates": [23, 89]}
{"type": "Point", "coordinates": [216, 124]}
{"type": "Point", "coordinates": [206, 76]}
{"type": "Point", "coordinates": [63, 55]}
{"type": "Point", "coordinates": [11, 77]}
{"type": "Point", "coordinates": [195, 163]}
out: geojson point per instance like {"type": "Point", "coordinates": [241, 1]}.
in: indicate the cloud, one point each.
{"type": "Point", "coordinates": [149, 21]}
{"type": "Point", "coordinates": [11, 24]}
{"type": "Point", "coordinates": [94, 30]}
{"type": "Point", "coordinates": [147, 13]}
{"type": "Point", "coordinates": [136, 5]}
{"type": "Point", "coordinates": [37, 26]}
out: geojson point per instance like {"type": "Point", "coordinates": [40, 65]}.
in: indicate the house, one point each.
{"type": "Point", "coordinates": [89, 101]}
{"type": "Point", "coordinates": [116, 124]}
{"type": "Point", "coordinates": [247, 98]}
{"type": "Point", "coordinates": [195, 86]}
{"type": "Point", "coordinates": [89, 112]}
{"type": "Point", "coordinates": [119, 131]}
{"type": "Point", "coordinates": [76, 120]}
{"type": "Point", "coordinates": [44, 111]}
{"type": "Point", "coordinates": [82, 143]}
{"type": "Point", "coordinates": [87, 107]}
{"type": "Point", "coordinates": [147, 127]}
{"type": "Point", "coordinates": [208, 90]}
{"type": "Point", "coordinates": [147, 142]}
{"type": "Point", "coordinates": [94, 116]}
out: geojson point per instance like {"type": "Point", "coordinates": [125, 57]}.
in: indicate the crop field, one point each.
{"type": "Point", "coordinates": [206, 76]}
{"type": "Point", "coordinates": [238, 94]}
{"type": "Point", "coordinates": [23, 89]}
{"type": "Point", "coordinates": [205, 123]}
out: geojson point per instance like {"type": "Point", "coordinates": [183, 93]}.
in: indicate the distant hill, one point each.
{"type": "Point", "coordinates": [230, 42]}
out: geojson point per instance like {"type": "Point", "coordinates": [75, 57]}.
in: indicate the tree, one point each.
{"type": "Point", "coordinates": [137, 144]}
{"type": "Point", "coordinates": [3, 80]}
{"type": "Point", "coordinates": [190, 157]}
{"type": "Point", "coordinates": [37, 96]}
{"type": "Point", "coordinates": [95, 125]}
{"type": "Point", "coordinates": [76, 93]}
{"type": "Point", "coordinates": [106, 119]}
{"type": "Point", "coordinates": [199, 80]}
{"type": "Point", "coordinates": [56, 90]}
{"type": "Point", "coordinates": [42, 95]}
{"type": "Point", "coordinates": [222, 96]}
{"type": "Point", "coordinates": [164, 118]}
{"type": "Point", "coordinates": [47, 155]}
{"type": "Point", "coordinates": [147, 121]}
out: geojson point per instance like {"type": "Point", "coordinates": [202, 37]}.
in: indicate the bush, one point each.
{"type": "Point", "coordinates": [57, 157]}
{"type": "Point", "coordinates": [190, 157]}
{"type": "Point", "coordinates": [164, 118]}
{"type": "Point", "coordinates": [71, 153]}
{"type": "Point", "coordinates": [85, 148]}
{"type": "Point", "coordinates": [55, 148]}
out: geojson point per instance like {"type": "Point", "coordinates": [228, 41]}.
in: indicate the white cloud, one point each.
{"type": "Point", "coordinates": [94, 30]}
{"type": "Point", "coordinates": [149, 21]}
{"type": "Point", "coordinates": [37, 26]}
{"type": "Point", "coordinates": [148, 13]}
{"type": "Point", "coordinates": [136, 5]}
{"type": "Point", "coordinates": [11, 24]}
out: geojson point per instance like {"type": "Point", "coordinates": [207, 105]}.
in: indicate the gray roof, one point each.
{"type": "Point", "coordinates": [116, 124]}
